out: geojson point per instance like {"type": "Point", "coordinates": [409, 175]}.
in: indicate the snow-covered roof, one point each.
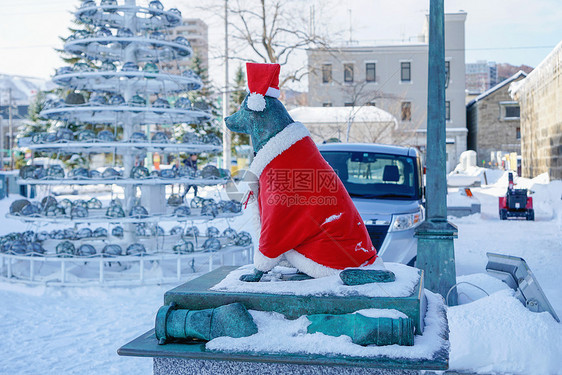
{"type": "Point", "coordinates": [497, 87]}
{"type": "Point", "coordinates": [367, 114]}
{"type": "Point", "coordinates": [23, 88]}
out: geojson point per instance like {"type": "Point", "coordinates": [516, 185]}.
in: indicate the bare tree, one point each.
{"type": "Point", "coordinates": [275, 31]}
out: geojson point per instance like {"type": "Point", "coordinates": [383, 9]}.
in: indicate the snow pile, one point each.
{"type": "Point", "coordinates": [498, 334]}
{"type": "Point", "coordinates": [406, 279]}
{"type": "Point", "coordinates": [279, 335]}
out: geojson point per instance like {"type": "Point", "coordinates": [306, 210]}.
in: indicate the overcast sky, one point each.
{"type": "Point", "coordinates": [512, 31]}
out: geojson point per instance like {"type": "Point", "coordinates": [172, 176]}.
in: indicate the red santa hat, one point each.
{"type": "Point", "coordinates": [263, 79]}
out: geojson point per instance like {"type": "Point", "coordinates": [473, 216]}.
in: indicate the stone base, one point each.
{"type": "Point", "coordinates": [177, 366]}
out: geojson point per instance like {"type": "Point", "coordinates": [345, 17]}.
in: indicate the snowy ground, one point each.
{"type": "Point", "coordinates": [78, 330]}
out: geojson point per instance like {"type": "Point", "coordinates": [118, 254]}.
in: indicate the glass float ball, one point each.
{"type": "Point", "coordinates": [174, 200]}
{"type": "Point", "coordinates": [186, 171]}
{"type": "Point", "coordinates": [137, 101]}
{"type": "Point", "coordinates": [230, 234]}
{"type": "Point", "coordinates": [117, 232]}
{"type": "Point", "coordinates": [210, 172]}
{"type": "Point", "coordinates": [95, 174]}
{"type": "Point", "coordinates": [65, 134]}
{"type": "Point", "coordinates": [212, 232]}
{"type": "Point", "coordinates": [69, 234]}
{"type": "Point", "coordinates": [108, 66]}
{"type": "Point", "coordinates": [117, 100]}
{"type": "Point", "coordinates": [183, 247]}
{"type": "Point", "coordinates": [112, 250]}
{"type": "Point", "coordinates": [66, 203]}
{"type": "Point", "coordinates": [160, 137]}
{"type": "Point", "coordinates": [182, 211]}
{"type": "Point", "coordinates": [212, 139]}
{"type": "Point", "coordinates": [136, 249]}
{"type": "Point", "coordinates": [157, 35]}
{"type": "Point", "coordinates": [212, 245]}
{"type": "Point", "coordinates": [171, 19]}
{"type": "Point", "coordinates": [160, 103]}
{"type": "Point", "coordinates": [115, 211]}
{"type": "Point", "coordinates": [97, 99]}
{"type": "Point", "coordinates": [183, 103]}
{"type": "Point", "coordinates": [150, 68]}
{"type": "Point", "coordinates": [62, 71]}
{"type": "Point", "coordinates": [138, 212]}
{"type": "Point", "coordinates": [156, 4]}
{"type": "Point", "coordinates": [79, 211]}
{"type": "Point", "coordinates": [42, 236]}
{"type": "Point", "coordinates": [109, 4]}
{"type": "Point", "coordinates": [88, 4]}
{"type": "Point", "coordinates": [103, 33]}
{"type": "Point", "coordinates": [130, 67]}
{"type": "Point", "coordinates": [86, 250]}
{"type": "Point", "coordinates": [176, 230]}
{"type": "Point", "coordinates": [243, 239]}
{"type": "Point", "coordinates": [125, 32]}
{"type": "Point", "coordinates": [138, 137]}
{"type": "Point", "coordinates": [196, 202]}
{"type": "Point", "coordinates": [18, 247]}
{"type": "Point", "coordinates": [141, 230]}
{"type": "Point", "coordinates": [192, 231]}
{"type": "Point", "coordinates": [168, 173]}
{"type": "Point", "coordinates": [94, 203]}
{"type": "Point", "coordinates": [110, 173]}
{"type": "Point", "coordinates": [32, 209]}
{"type": "Point", "coordinates": [65, 249]}
{"type": "Point", "coordinates": [48, 201]}
{"type": "Point", "coordinates": [82, 34]}
{"type": "Point", "coordinates": [35, 248]}
{"type": "Point", "coordinates": [100, 232]}
{"type": "Point", "coordinates": [184, 42]}
{"type": "Point", "coordinates": [192, 138]}
{"type": "Point", "coordinates": [139, 172]}
{"type": "Point", "coordinates": [86, 136]}
{"type": "Point", "coordinates": [18, 205]}
{"type": "Point", "coordinates": [81, 67]}
{"type": "Point", "coordinates": [84, 233]}
{"type": "Point", "coordinates": [155, 173]}
{"type": "Point", "coordinates": [106, 136]}
{"type": "Point", "coordinates": [74, 98]}
{"type": "Point", "coordinates": [57, 234]}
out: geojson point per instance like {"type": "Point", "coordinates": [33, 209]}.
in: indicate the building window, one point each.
{"type": "Point", "coordinates": [328, 104]}
{"type": "Point", "coordinates": [326, 73]}
{"type": "Point", "coordinates": [448, 110]}
{"type": "Point", "coordinates": [348, 72]}
{"type": "Point", "coordinates": [405, 71]}
{"type": "Point", "coordinates": [518, 133]}
{"type": "Point", "coordinates": [349, 104]}
{"type": "Point", "coordinates": [370, 72]}
{"type": "Point", "coordinates": [509, 111]}
{"type": "Point", "coordinates": [447, 73]}
{"type": "Point", "coordinates": [406, 111]}
{"type": "Point", "coordinates": [371, 104]}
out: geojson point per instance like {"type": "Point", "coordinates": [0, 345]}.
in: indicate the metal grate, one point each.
{"type": "Point", "coordinates": [377, 234]}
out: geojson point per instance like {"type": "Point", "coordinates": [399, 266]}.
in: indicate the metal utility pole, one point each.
{"type": "Point", "coordinates": [11, 124]}
{"type": "Point", "coordinates": [436, 255]}
{"type": "Point", "coordinates": [226, 137]}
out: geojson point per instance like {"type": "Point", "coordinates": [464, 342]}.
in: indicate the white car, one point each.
{"type": "Point", "coordinates": [386, 184]}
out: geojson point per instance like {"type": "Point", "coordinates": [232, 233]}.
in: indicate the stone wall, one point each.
{"type": "Point", "coordinates": [540, 97]}
{"type": "Point", "coordinates": [493, 131]}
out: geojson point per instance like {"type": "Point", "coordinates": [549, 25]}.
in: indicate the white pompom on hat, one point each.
{"type": "Point", "coordinates": [263, 80]}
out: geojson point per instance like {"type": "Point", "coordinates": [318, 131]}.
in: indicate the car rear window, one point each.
{"type": "Point", "coordinates": [374, 175]}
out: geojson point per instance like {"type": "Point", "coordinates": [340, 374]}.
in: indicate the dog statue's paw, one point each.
{"type": "Point", "coordinates": [252, 277]}
{"type": "Point", "coordinates": [357, 276]}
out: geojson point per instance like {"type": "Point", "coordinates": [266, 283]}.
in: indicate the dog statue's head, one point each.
{"type": "Point", "coordinates": [261, 115]}
{"type": "Point", "coordinates": [260, 125]}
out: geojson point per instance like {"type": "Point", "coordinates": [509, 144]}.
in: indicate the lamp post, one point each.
{"type": "Point", "coordinates": [436, 255]}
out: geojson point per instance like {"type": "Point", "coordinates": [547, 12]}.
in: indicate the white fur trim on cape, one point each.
{"type": "Point", "coordinates": [276, 145]}
{"type": "Point", "coordinates": [256, 102]}
{"type": "Point", "coordinates": [308, 266]}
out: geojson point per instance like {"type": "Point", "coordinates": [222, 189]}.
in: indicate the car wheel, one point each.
{"type": "Point", "coordinates": [503, 214]}
{"type": "Point", "coordinates": [531, 215]}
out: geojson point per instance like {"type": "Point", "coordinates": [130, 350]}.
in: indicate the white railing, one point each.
{"type": "Point", "coordinates": [156, 268]}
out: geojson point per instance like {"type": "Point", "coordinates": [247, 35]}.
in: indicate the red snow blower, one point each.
{"type": "Point", "coordinates": [516, 203]}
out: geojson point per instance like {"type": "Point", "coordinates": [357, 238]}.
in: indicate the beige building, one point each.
{"type": "Point", "coordinates": [540, 98]}
{"type": "Point", "coordinates": [196, 32]}
{"type": "Point", "coordinates": [347, 124]}
{"type": "Point", "coordinates": [394, 78]}
{"type": "Point", "coordinates": [493, 122]}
